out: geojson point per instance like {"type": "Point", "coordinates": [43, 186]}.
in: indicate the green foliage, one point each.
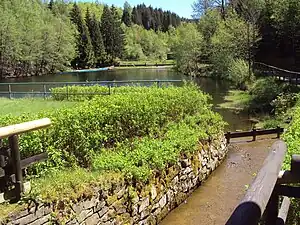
{"type": "Point", "coordinates": [17, 107]}
{"type": "Point", "coordinates": [33, 40]}
{"type": "Point", "coordinates": [138, 158]}
{"type": "Point", "coordinates": [85, 57]}
{"type": "Point", "coordinates": [96, 38]}
{"type": "Point", "coordinates": [142, 44]}
{"type": "Point", "coordinates": [208, 25]}
{"type": "Point", "coordinates": [239, 74]}
{"type": "Point", "coordinates": [187, 45]}
{"type": "Point", "coordinates": [229, 43]}
{"type": "Point", "coordinates": [80, 132]}
{"type": "Point", "coordinates": [126, 17]}
{"type": "Point", "coordinates": [263, 92]}
{"type": "Point", "coordinates": [112, 32]}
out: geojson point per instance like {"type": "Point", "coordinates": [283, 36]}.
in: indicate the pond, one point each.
{"type": "Point", "coordinates": [216, 88]}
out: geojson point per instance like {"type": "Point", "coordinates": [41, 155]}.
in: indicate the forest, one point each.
{"type": "Point", "coordinates": [43, 37]}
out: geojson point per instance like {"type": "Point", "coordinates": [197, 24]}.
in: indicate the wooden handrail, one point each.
{"type": "Point", "coordinates": [253, 205]}
{"type": "Point", "coordinates": [24, 127]}
{"type": "Point", "coordinates": [276, 68]}
{"type": "Point", "coordinates": [253, 133]}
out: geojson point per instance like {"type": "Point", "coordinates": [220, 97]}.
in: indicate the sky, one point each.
{"type": "Point", "coordinates": [182, 7]}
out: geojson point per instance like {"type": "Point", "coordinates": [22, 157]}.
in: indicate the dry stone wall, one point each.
{"type": "Point", "coordinates": [141, 204]}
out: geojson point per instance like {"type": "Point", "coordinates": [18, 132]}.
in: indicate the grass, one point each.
{"type": "Point", "coordinates": [29, 105]}
{"type": "Point", "coordinates": [236, 100]}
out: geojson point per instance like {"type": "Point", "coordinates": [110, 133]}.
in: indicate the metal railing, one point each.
{"type": "Point", "coordinates": [42, 89]}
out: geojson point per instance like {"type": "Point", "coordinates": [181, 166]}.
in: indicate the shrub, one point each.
{"type": "Point", "coordinates": [239, 74]}
{"type": "Point", "coordinates": [263, 92]}
{"type": "Point", "coordinates": [82, 93]}
{"type": "Point", "coordinates": [78, 133]}
{"type": "Point", "coordinates": [140, 157]}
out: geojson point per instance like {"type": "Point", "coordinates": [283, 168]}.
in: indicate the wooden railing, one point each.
{"type": "Point", "coordinates": [42, 89]}
{"type": "Point", "coordinates": [261, 202]}
{"type": "Point", "coordinates": [292, 77]}
{"type": "Point", "coordinates": [11, 164]}
{"type": "Point", "coordinates": [254, 133]}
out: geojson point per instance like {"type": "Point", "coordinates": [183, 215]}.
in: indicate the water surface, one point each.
{"type": "Point", "coordinates": [217, 89]}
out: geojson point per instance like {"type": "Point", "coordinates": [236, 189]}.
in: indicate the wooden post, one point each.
{"type": "Point", "coordinates": [272, 209]}
{"type": "Point", "coordinates": [14, 146]}
{"type": "Point", "coordinates": [9, 91]}
{"type": "Point", "coordinates": [109, 89]}
{"type": "Point", "coordinates": [283, 212]}
{"type": "Point", "coordinates": [278, 132]}
{"type": "Point", "coordinates": [228, 137]}
{"type": "Point", "coordinates": [67, 92]}
{"type": "Point", "coordinates": [254, 134]}
{"type": "Point", "coordinates": [45, 91]}
{"type": "Point", "coordinates": [295, 165]}
{"type": "Point", "coordinates": [253, 205]}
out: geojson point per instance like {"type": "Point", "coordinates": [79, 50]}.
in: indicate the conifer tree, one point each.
{"type": "Point", "coordinates": [107, 30]}
{"type": "Point", "coordinates": [126, 17]}
{"type": "Point", "coordinates": [136, 16]}
{"type": "Point", "coordinates": [96, 37]}
{"type": "Point", "coordinates": [50, 5]}
{"type": "Point", "coordinates": [118, 38]}
{"type": "Point", "coordinates": [85, 57]}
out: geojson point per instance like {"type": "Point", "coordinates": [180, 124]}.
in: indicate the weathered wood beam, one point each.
{"type": "Point", "coordinates": [295, 164]}
{"type": "Point", "coordinates": [34, 159]}
{"type": "Point", "coordinates": [24, 127]}
{"type": "Point", "coordinates": [283, 212]}
{"type": "Point", "coordinates": [257, 197]}
{"type": "Point", "coordinates": [288, 191]}
{"type": "Point", "coordinates": [287, 177]}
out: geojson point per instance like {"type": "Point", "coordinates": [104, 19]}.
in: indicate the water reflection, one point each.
{"type": "Point", "coordinates": [216, 88]}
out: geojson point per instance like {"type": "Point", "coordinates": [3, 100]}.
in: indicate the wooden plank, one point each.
{"type": "Point", "coordinates": [257, 197]}
{"type": "Point", "coordinates": [283, 212]}
{"type": "Point", "coordinates": [271, 212]}
{"type": "Point", "coordinates": [288, 191]}
{"type": "Point", "coordinates": [24, 127]}
{"type": "Point", "coordinates": [257, 133]}
{"type": "Point", "coordinates": [16, 162]}
{"type": "Point", "coordinates": [34, 159]}
{"type": "Point", "coordinates": [2, 173]}
{"type": "Point", "coordinates": [295, 164]}
{"type": "Point", "coordinates": [287, 177]}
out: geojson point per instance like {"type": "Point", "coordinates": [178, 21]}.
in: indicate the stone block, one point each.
{"type": "Point", "coordinates": [41, 221]}
{"type": "Point", "coordinates": [163, 201]}
{"type": "Point", "coordinates": [153, 192]}
{"type": "Point", "coordinates": [93, 220]}
{"type": "Point", "coordinates": [99, 206]}
{"type": "Point", "coordinates": [144, 204]}
{"type": "Point", "coordinates": [145, 213]}
{"type": "Point", "coordinates": [84, 214]}
{"type": "Point", "coordinates": [103, 211]}
{"type": "Point", "coordinates": [185, 163]}
{"type": "Point", "coordinates": [121, 193]}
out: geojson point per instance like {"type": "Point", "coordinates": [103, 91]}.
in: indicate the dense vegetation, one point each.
{"type": "Point", "coordinates": [40, 37]}
{"type": "Point", "coordinates": [249, 30]}
{"type": "Point", "coordinates": [130, 132]}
